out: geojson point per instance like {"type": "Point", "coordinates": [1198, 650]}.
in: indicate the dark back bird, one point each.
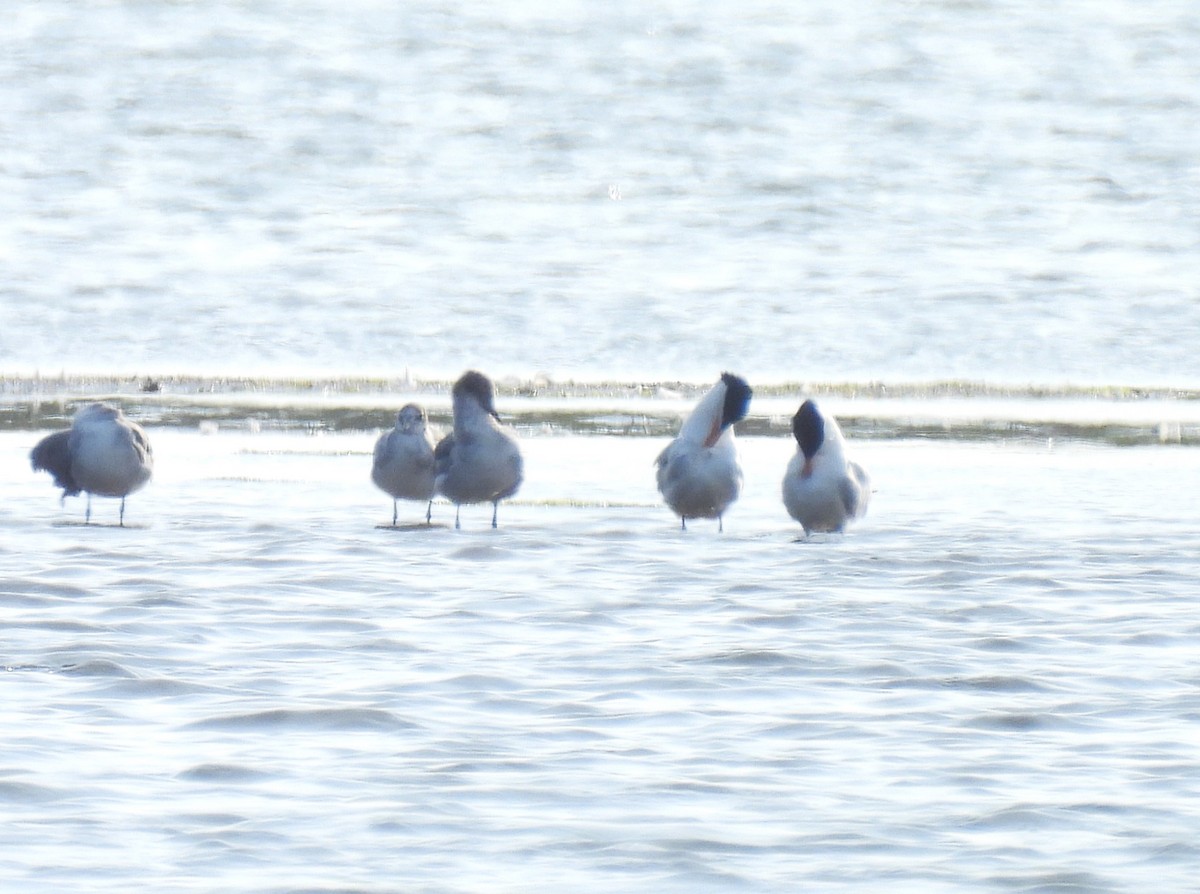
{"type": "Point", "coordinates": [102, 453]}
{"type": "Point", "coordinates": [480, 461]}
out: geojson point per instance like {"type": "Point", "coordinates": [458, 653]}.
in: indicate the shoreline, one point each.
{"type": "Point", "coordinates": [940, 410]}
{"type": "Point", "coordinates": [80, 386]}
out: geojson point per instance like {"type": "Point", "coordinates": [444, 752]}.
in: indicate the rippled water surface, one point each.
{"type": "Point", "coordinates": [970, 227]}
{"type": "Point", "coordinates": [989, 684]}
{"type": "Point", "coordinates": [861, 190]}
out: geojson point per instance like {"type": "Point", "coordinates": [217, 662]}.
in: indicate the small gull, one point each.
{"type": "Point", "coordinates": [102, 453]}
{"type": "Point", "coordinates": [698, 473]}
{"type": "Point", "coordinates": [480, 461]}
{"type": "Point", "coordinates": [403, 466]}
{"type": "Point", "coordinates": [821, 488]}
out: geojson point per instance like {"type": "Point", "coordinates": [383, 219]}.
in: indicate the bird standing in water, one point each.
{"type": "Point", "coordinates": [480, 461]}
{"type": "Point", "coordinates": [403, 466]}
{"type": "Point", "coordinates": [821, 488]}
{"type": "Point", "coordinates": [102, 453]}
{"type": "Point", "coordinates": [698, 473]}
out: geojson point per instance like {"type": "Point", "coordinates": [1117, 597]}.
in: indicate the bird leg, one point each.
{"type": "Point", "coordinates": [495, 506]}
{"type": "Point", "coordinates": [429, 513]}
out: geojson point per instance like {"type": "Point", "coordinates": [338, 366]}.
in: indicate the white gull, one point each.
{"type": "Point", "coordinates": [822, 489]}
{"type": "Point", "coordinates": [698, 473]}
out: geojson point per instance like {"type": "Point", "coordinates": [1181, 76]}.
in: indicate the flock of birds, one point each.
{"type": "Point", "coordinates": [699, 475]}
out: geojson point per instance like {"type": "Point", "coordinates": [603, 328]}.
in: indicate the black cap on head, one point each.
{"type": "Point", "coordinates": [737, 399]}
{"type": "Point", "coordinates": [808, 425]}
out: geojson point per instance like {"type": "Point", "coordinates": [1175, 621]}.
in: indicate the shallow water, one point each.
{"type": "Point", "coordinates": [263, 226]}
{"type": "Point", "coordinates": [988, 684]}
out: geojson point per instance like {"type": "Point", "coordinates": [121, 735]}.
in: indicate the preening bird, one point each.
{"type": "Point", "coordinates": [698, 473]}
{"type": "Point", "coordinates": [102, 453]}
{"type": "Point", "coordinates": [480, 461]}
{"type": "Point", "coordinates": [404, 467]}
{"type": "Point", "coordinates": [822, 489]}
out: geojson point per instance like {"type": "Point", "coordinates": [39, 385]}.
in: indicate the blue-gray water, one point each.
{"type": "Point", "coordinates": [863, 190]}
{"type": "Point", "coordinates": [989, 684]}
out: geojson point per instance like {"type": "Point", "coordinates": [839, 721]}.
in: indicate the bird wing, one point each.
{"type": "Point", "coordinates": [665, 457]}
{"type": "Point", "coordinates": [441, 454]}
{"type": "Point", "coordinates": [855, 490]}
{"type": "Point", "coordinates": [140, 442]}
{"type": "Point", "coordinates": [53, 454]}
{"type": "Point", "coordinates": [848, 491]}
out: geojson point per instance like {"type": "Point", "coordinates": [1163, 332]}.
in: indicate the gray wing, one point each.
{"type": "Point", "coordinates": [140, 442]}
{"type": "Point", "coordinates": [382, 450]}
{"type": "Point", "coordinates": [848, 491]}
{"type": "Point", "coordinates": [666, 470]}
{"type": "Point", "coordinates": [53, 454]}
{"type": "Point", "coordinates": [441, 455]}
{"type": "Point", "coordinates": [855, 490]}
{"type": "Point", "coordinates": [518, 470]}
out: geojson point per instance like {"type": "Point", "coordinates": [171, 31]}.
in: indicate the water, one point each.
{"type": "Point", "coordinates": [262, 227]}
{"type": "Point", "coordinates": [1001, 191]}
{"type": "Point", "coordinates": [988, 685]}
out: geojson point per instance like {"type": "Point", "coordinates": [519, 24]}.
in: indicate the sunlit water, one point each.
{"type": "Point", "coordinates": [988, 684]}
{"type": "Point", "coordinates": [860, 190]}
